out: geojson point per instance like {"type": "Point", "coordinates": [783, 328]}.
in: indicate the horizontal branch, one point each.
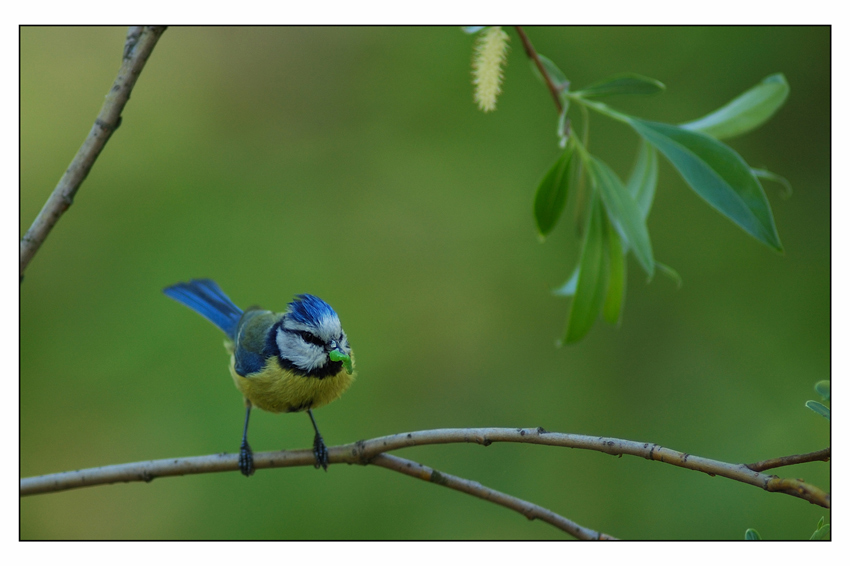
{"type": "Point", "coordinates": [818, 456]}
{"type": "Point", "coordinates": [363, 451]}
{"type": "Point", "coordinates": [529, 510]}
{"type": "Point", "coordinates": [139, 45]}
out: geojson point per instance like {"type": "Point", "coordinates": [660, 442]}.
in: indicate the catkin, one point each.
{"type": "Point", "coordinates": [490, 55]}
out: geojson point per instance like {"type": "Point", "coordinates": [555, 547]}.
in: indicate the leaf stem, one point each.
{"type": "Point", "coordinates": [600, 107]}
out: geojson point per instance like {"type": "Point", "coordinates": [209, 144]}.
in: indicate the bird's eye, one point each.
{"type": "Point", "coordinates": [311, 338]}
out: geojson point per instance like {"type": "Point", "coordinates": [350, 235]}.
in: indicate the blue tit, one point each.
{"type": "Point", "coordinates": [286, 362]}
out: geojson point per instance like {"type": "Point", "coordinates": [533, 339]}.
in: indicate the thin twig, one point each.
{"type": "Point", "coordinates": [136, 53]}
{"type": "Point", "coordinates": [532, 54]}
{"type": "Point", "coordinates": [363, 451]}
{"type": "Point", "coordinates": [819, 456]}
{"type": "Point", "coordinates": [529, 510]}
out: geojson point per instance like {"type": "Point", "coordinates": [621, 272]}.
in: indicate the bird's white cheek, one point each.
{"type": "Point", "coordinates": [304, 355]}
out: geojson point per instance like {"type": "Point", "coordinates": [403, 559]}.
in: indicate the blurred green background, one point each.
{"type": "Point", "coordinates": [352, 163]}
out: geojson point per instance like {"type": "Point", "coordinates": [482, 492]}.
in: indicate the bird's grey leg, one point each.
{"type": "Point", "coordinates": [246, 456]}
{"type": "Point", "coordinates": [319, 448]}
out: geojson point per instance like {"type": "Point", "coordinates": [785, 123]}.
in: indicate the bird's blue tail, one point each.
{"type": "Point", "coordinates": [206, 298]}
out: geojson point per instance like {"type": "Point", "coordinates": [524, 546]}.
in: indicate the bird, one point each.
{"type": "Point", "coordinates": [293, 361]}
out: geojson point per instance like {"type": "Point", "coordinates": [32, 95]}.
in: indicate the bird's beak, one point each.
{"type": "Point", "coordinates": [337, 355]}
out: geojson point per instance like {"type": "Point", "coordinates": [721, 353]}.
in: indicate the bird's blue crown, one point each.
{"type": "Point", "coordinates": [310, 310]}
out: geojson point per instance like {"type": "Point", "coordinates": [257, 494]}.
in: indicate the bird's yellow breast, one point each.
{"type": "Point", "coordinates": [278, 390]}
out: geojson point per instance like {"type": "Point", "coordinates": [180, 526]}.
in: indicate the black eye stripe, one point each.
{"type": "Point", "coordinates": [310, 338]}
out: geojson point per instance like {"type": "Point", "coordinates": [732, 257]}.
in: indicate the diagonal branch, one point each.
{"type": "Point", "coordinates": [364, 451]}
{"type": "Point", "coordinates": [140, 44]}
{"type": "Point", "coordinates": [532, 54]}
{"type": "Point", "coordinates": [529, 510]}
{"type": "Point", "coordinates": [819, 456]}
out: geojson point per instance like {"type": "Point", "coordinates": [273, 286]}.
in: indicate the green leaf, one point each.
{"type": "Point", "coordinates": [629, 83]}
{"type": "Point", "coordinates": [822, 387]}
{"type": "Point", "coordinates": [644, 178]}
{"type": "Point", "coordinates": [752, 534]}
{"type": "Point", "coordinates": [820, 523]}
{"type": "Point", "coordinates": [746, 112]}
{"type": "Point", "coordinates": [557, 75]}
{"type": "Point", "coordinates": [590, 288]}
{"type": "Point", "coordinates": [670, 272]}
{"type": "Point", "coordinates": [551, 194]}
{"type": "Point", "coordinates": [819, 408]}
{"type": "Point", "coordinates": [641, 185]}
{"type": "Point", "coordinates": [568, 289]}
{"type": "Point", "coordinates": [822, 533]}
{"type": "Point", "coordinates": [615, 294]}
{"type": "Point", "coordinates": [623, 212]}
{"type": "Point", "coordinates": [771, 176]}
{"type": "Point", "coordinates": [472, 29]}
{"type": "Point", "coordinates": [717, 174]}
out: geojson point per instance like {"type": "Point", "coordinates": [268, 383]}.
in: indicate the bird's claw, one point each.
{"type": "Point", "coordinates": [320, 451]}
{"type": "Point", "coordinates": [246, 459]}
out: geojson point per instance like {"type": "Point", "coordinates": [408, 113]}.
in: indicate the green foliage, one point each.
{"type": "Point", "coordinates": [771, 176]}
{"type": "Point", "coordinates": [622, 84]}
{"type": "Point", "coordinates": [821, 532]}
{"type": "Point", "coordinates": [561, 84]}
{"type": "Point", "coordinates": [823, 389]}
{"type": "Point", "coordinates": [644, 178]}
{"type": "Point", "coordinates": [711, 168]}
{"type": "Point", "coordinates": [746, 112]}
{"type": "Point", "coordinates": [590, 287]}
{"type": "Point", "coordinates": [669, 272]}
{"type": "Point", "coordinates": [552, 192]}
{"type": "Point", "coordinates": [616, 277]}
{"type": "Point", "coordinates": [717, 174]}
{"type": "Point", "coordinates": [623, 211]}
{"type": "Point", "coordinates": [819, 408]}
{"type": "Point", "coordinates": [556, 75]}
{"type": "Point", "coordinates": [568, 289]}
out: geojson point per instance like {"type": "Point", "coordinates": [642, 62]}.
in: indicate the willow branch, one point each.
{"type": "Point", "coordinates": [529, 510]}
{"type": "Point", "coordinates": [138, 48]}
{"type": "Point", "coordinates": [532, 54]}
{"type": "Point", "coordinates": [819, 456]}
{"type": "Point", "coordinates": [363, 451]}
{"type": "Point", "coordinates": [133, 35]}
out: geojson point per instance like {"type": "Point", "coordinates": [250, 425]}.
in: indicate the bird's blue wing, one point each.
{"type": "Point", "coordinates": [252, 338]}
{"type": "Point", "coordinates": [206, 298]}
